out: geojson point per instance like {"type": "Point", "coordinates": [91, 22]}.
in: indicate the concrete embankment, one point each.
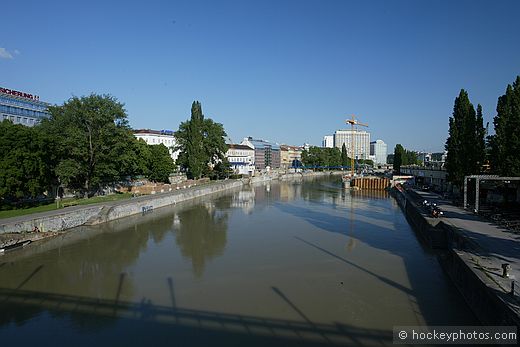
{"type": "Point", "coordinates": [100, 213]}
{"type": "Point", "coordinates": [486, 293]}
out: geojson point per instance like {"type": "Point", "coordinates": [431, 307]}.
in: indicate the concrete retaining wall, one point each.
{"type": "Point", "coordinates": [490, 305]}
{"type": "Point", "coordinates": [158, 201]}
{"type": "Point", "coordinates": [429, 230]}
{"type": "Point", "coordinates": [62, 221]}
{"type": "Point", "coordinates": [487, 300]}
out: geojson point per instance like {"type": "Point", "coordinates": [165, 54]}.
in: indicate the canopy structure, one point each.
{"type": "Point", "coordinates": [479, 178]}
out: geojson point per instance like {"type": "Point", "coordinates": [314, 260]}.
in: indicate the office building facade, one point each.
{"type": "Point", "coordinates": [328, 141]}
{"type": "Point", "coordinates": [361, 142]}
{"type": "Point", "coordinates": [22, 108]}
{"type": "Point", "coordinates": [267, 154]}
{"type": "Point", "coordinates": [378, 149]}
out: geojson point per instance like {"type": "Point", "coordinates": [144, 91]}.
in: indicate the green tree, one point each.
{"type": "Point", "coordinates": [398, 158]}
{"type": "Point", "coordinates": [409, 158]}
{"type": "Point", "coordinates": [311, 158]}
{"type": "Point", "coordinates": [142, 155]}
{"type": "Point", "coordinates": [479, 151]}
{"type": "Point", "coordinates": [321, 157]}
{"type": "Point", "coordinates": [221, 170]}
{"type": "Point", "coordinates": [345, 160]}
{"type": "Point", "coordinates": [92, 137]}
{"type": "Point", "coordinates": [25, 168]}
{"type": "Point", "coordinates": [465, 144]}
{"type": "Point", "coordinates": [201, 143]}
{"type": "Point", "coordinates": [333, 156]}
{"type": "Point", "coordinates": [161, 164]}
{"type": "Point", "coordinates": [505, 144]}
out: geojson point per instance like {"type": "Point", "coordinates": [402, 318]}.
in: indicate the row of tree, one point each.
{"type": "Point", "coordinates": [402, 157]}
{"type": "Point", "coordinates": [87, 144]}
{"type": "Point", "coordinates": [328, 157]}
{"type": "Point", "coordinates": [470, 151]}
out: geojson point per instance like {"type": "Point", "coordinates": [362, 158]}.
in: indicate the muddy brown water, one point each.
{"type": "Point", "coordinates": [284, 263]}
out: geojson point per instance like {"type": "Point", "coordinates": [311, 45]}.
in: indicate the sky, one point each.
{"type": "Point", "coordinates": [286, 71]}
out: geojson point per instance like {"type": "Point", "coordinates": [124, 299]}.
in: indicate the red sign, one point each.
{"type": "Point", "coordinates": [20, 94]}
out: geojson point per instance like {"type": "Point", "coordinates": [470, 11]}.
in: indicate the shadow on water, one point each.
{"type": "Point", "coordinates": [380, 278]}
{"type": "Point", "coordinates": [30, 276]}
{"type": "Point", "coordinates": [145, 323]}
{"type": "Point", "coordinates": [383, 235]}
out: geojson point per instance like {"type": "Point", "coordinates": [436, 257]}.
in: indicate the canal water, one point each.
{"type": "Point", "coordinates": [283, 263]}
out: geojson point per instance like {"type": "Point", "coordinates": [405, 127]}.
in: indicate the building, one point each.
{"type": "Point", "coordinates": [156, 137]}
{"type": "Point", "coordinates": [361, 142]}
{"type": "Point", "coordinates": [290, 156]}
{"type": "Point", "coordinates": [22, 108]}
{"type": "Point", "coordinates": [433, 175]}
{"type": "Point", "coordinates": [241, 159]}
{"type": "Point", "coordinates": [328, 141]}
{"type": "Point", "coordinates": [378, 149]}
{"type": "Point", "coordinates": [267, 154]}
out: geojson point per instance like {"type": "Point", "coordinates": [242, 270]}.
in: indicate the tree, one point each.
{"type": "Point", "coordinates": [398, 158]}
{"type": "Point", "coordinates": [201, 143]}
{"type": "Point", "coordinates": [92, 137]}
{"type": "Point", "coordinates": [25, 168]}
{"type": "Point", "coordinates": [505, 144]}
{"type": "Point", "coordinates": [321, 157]}
{"type": "Point", "coordinates": [214, 144]}
{"type": "Point", "coordinates": [161, 164]}
{"type": "Point", "coordinates": [480, 141]}
{"type": "Point", "coordinates": [465, 144]}
{"type": "Point", "coordinates": [345, 160]}
{"type": "Point", "coordinates": [221, 170]}
{"type": "Point", "coordinates": [333, 156]}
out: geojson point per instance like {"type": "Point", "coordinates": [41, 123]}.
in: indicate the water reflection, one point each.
{"type": "Point", "coordinates": [306, 260]}
{"type": "Point", "coordinates": [245, 200]}
{"type": "Point", "coordinates": [202, 233]}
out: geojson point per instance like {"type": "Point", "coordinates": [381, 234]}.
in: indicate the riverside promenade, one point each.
{"type": "Point", "coordinates": [486, 247]}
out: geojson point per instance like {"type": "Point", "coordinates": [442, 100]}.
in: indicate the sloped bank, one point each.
{"type": "Point", "coordinates": [102, 213]}
{"type": "Point", "coordinates": [487, 298]}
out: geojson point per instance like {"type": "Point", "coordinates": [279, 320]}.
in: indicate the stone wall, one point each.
{"type": "Point", "coordinates": [62, 221]}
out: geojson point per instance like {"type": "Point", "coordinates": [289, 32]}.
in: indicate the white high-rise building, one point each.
{"type": "Point", "coordinates": [378, 149]}
{"type": "Point", "coordinates": [328, 141]}
{"type": "Point", "coordinates": [361, 142]}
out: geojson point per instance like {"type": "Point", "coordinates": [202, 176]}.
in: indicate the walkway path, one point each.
{"type": "Point", "coordinates": [492, 243]}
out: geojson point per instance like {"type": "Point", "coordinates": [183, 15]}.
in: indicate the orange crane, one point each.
{"type": "Point", "coordinates": [353, 122]}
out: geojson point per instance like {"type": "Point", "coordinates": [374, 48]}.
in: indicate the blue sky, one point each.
{"type": "Point", "coordinates": [286, 71]}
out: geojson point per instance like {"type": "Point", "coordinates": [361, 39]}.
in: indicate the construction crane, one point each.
{"type": "Point", "coordinates": [353, 122]}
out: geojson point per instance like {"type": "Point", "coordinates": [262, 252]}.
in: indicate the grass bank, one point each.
{"type": "Point", "coordinates": [63, 203]}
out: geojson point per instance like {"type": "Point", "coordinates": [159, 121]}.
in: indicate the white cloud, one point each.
{"type": "Point", "coordinates": [17, 52]}
{"type": "Point", "coordinates": [4, 53]}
